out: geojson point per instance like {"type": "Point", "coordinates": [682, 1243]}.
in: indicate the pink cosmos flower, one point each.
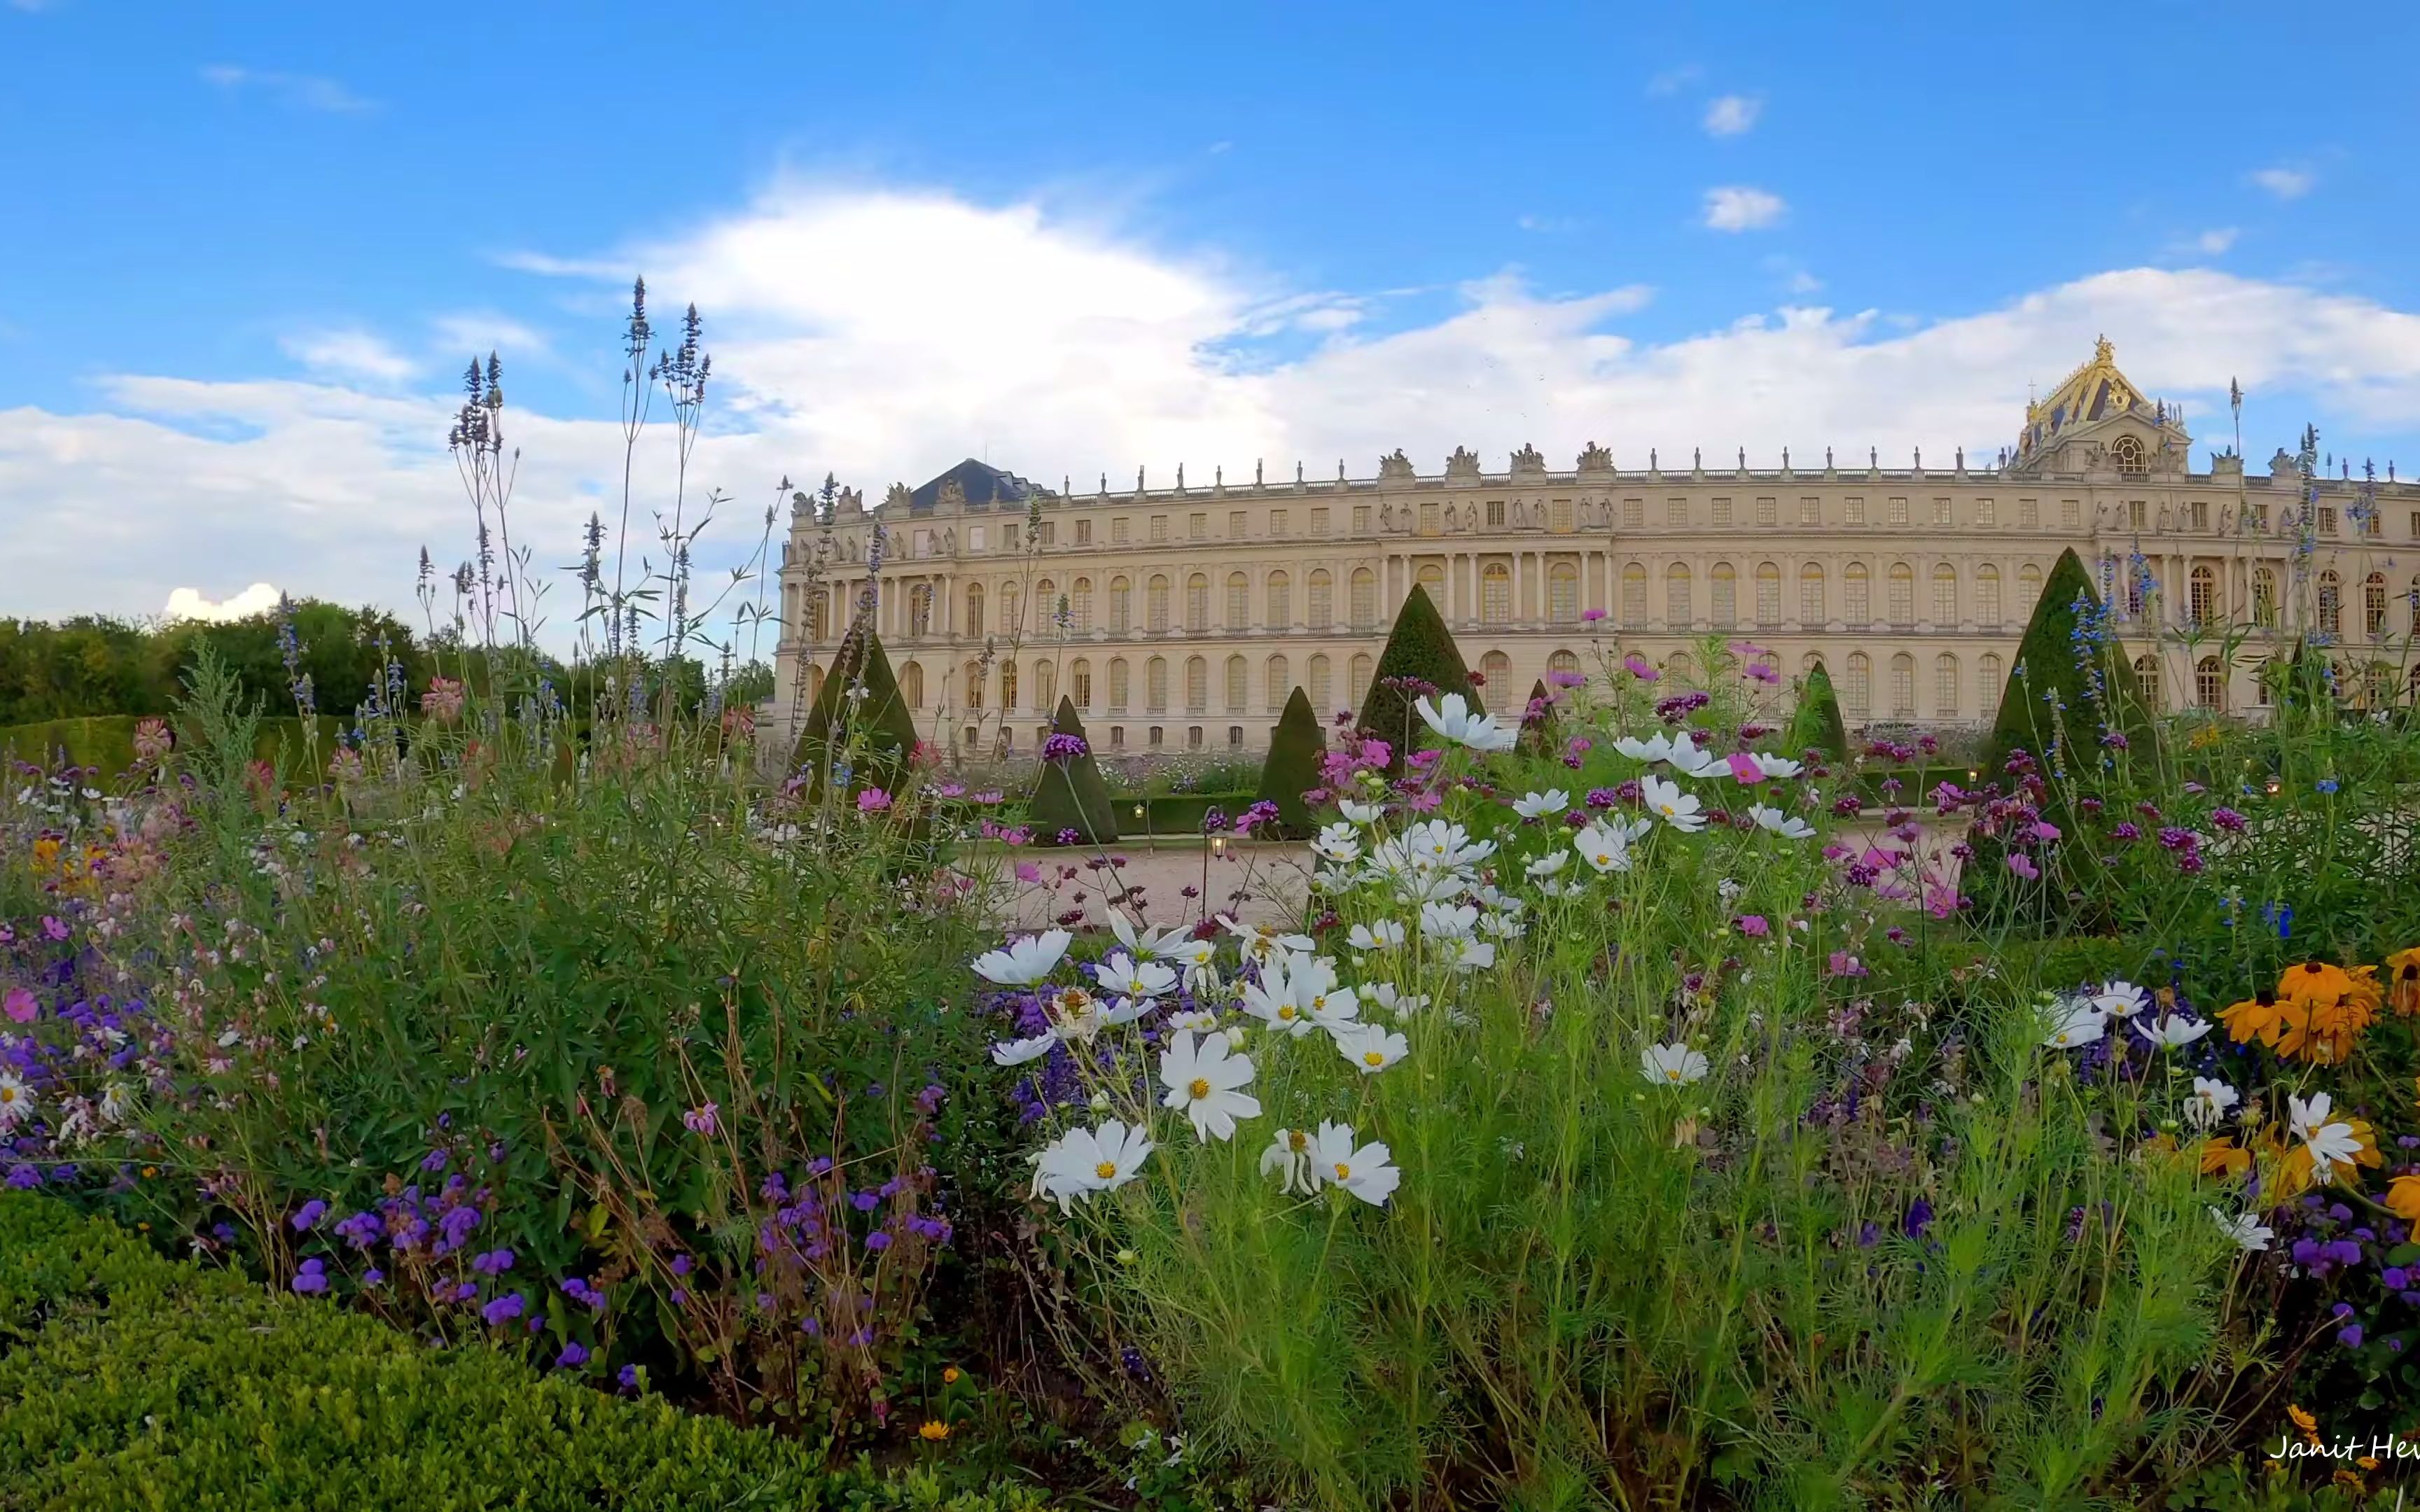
{"type": "Point", "coordinates": [53, 929]}
{"type": "Point", "coordinates": [1590, 616]}
{"type": "Point", "coordinates": [1744, 768]}
{"type": "Point", "coordinates": [1754, 926]}
{"type": "Point", "coordinates": [2045, 832]}
{"type": "Point", "coordinates": [1028, 872]}
{"type": "Point", "coordinates": [21, 1005]}
{"type": "Point", "coordinates": [1762, 672]}
{"type": "Point", "coordinates": [873, 800]}
{"type": "Point", "coordinates": [1637, 667]}
{"type": "Point", "coordinates": [1844, 965]}
{"type": "Point", "coordinates": [2024, 867]}
{"type": "Point", "coordinates": [704, 1118]}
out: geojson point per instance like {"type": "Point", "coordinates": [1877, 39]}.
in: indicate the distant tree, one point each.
{"type": "Point", "coordinates": [1291, 768]}
{"type": "Point", "coordinates": [1068, 793]}
{"type": "Point", "coordinates": [1418, 649]}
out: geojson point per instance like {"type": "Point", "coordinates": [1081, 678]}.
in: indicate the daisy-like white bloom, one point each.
{"type": "Point", "coordinates": [117, 1102]}
{"type": "Point", "coordinates": [1198, 960]}
{"type": "Point", "coordinates": [1674, 807]}
{"type": "Point", "coordinates": [1358, 812]}
{"type": "Point", "coordinates": [1430, 888]}
{"type": "Point", "coordinates": [1146, 943]}
{"type": "Point", "coordinates": [1447, 921]}
{"type": "Point", "coordinates": [1368, 1172]}
{"type": "Point", "coordinates": [2210, 1102]}
{"type": "Point", "coordinates": [1018, 1051]}
{"type": "Point", "coordinates": [2120, 999]}
{"type": "Point", "coordinates": [1453, 719]}
{"type": "Point", "coordinates": [1776, 766]}
{"type": "Point", "coordinates": [1380, 935]}
{"type": "Point", "coordinates": [1547, 865]}
{"type": "Point", "coordinates": [1263, 941]}
{"type": "Point", "coordinates": [16, 1099]}
{"type": "Point", "coordinates": [1073, 1014]}
{"type": "Point", "coordinates": [1441, 845]}
{"type": "Point", "coordinates": [1275, 998]}
{"type": "Point", "coordinates": [1789, 826]}
{"type": "Point", "coordinates": [1206, 1084]}
{"type": "Point", "coordinates": [1539, 805]}
{"type": "Point", "coordinates": [1655, 747]}
{"type": "Point", "coordinates": [1323, 1000]}
{"type": "Point", "coordinates": [1338, 842]}
{"type": "Point", "coordinates": [2077, 1024]}
{"type": "Point", "coordinates": [2170, 1032]}
{"type": "Point", "coordinates": [2246, 1230]}
{"type": "Point", "coordinates": [1289, 1155]}
{"type": "Point", "coordinates": [1689, 760]}
{"type": "Point", "coordinates": [1392, 999]}
{"type": "Point", "coordinates": [1471, 953]}
{"type": "Point", "coordinates": [1603, 847]}
{"type": "Point", "coordinates": [1200, 1020]}
{"type": "Point", "coordinates": [1025, 961]}
{"type": "Point", "coordinates": [1673, 1065]}
{"type": "Point", "coordinates": [1084, 1160]}
{"type": "Point", "coordinates": [1504, 926]}
{"type": "Point", "coordinates": [2331, 1141]}
{"type": "Point", "coordinates": [1371, 1048]}
{"type": "Point", "coordinates": [1122, 975]}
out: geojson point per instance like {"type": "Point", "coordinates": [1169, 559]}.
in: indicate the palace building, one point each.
{"type": "Point", "coordinates": [1180, 619]}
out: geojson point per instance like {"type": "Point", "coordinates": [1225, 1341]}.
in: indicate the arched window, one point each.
{"type": "Point", "coordinates": [1080, 607]}
{"type": "Point", "coordinates": [1495, 669]}
{"type": "Point", "coordinates": [2264, 598]}
{"type": "Point", "coordinates": [1565, 663]}
{"type": "Point", "coordinates": [1239, 602]}
{"type": "Point", "coordinates": [2373, 605]}
{"type": "Point", "coordinates": [1155, 684]}
{"type": "Point", "coordinates": [1676, 597]}
{"type": "Point", "coordinates": [1322, 592]}
{"type": "Point", "coordinates": [814, 685]}
{"type": "Point", "coordinates": [1768, 594]}
{"type": "Point", "coordinates": [1903, 686]}
{"type": "Point", "coordinates": [920, 610]}
{"type": "Point", "coordinates": [1119, 688]}
{"type": "Point", "coordinates": [1944, 686]}
{"type": "Point", "coordinates": [1011, 621]}
{"type": "Point", "coordinates": [1280, 592]}
{"type": "Point", "coordinates": [1197, 683]}
{"type": "Point", "coordinates": [911, 686]}
{"type": "Point", "coordinates": [1008, 685]}
{"type": "Point", "coordinates": [1278, 680]}
{"type": "Point", "coordinates": [1945, 595]}
{"type": "Point", "coordinates": [1987, 596]}
{"type": "Point", "coordinates": [2210, 685]}
{"type": "Point", "coordinates": [2202, 596]}
{"type": "Point", "coordinates": [1197, 603]}
{"type": "Point", "coordinates": [1365, 598]}
{"type": "Point", "coordinates": [1902, 594]}
{"type": "Point", "coordinates": [1989, 680]}
{"type": "Point", "coordinates": [1634, 597]}
{"type": "Point", "coordinates": [1079, 683]}
{"type": "Point", "coordinates": [1319, 689]}
{"type": "Point", "coordinates": [2147, 681]}
{"type": "Point", "coordinates": [2029, 580]}
{"type": "Point", "coordinates": [1237, 677]}
{"type": "Point", "coordinates": [1121, 606]}
{"type": "Point", "coordinates": [1859, 604]}
{"type": "Point", "coordinates": [1860, 692]}
{"type": "Point", "coordinates": [1046, 691]}
{"type": "Point", "coordinates": [1495, 593]}
{"type": "Point", "coordinates": [1357, 678]}
{"type": "Point", "coordinates": [2331, 604]}
{"type": "Point", "coordinates": [2378, 685]}
{"type": "Point", "coordinates": [1430, 578]}
{"type": "Point", "coordinates": [1811, 611]}
{"type": "Point", "coordinates": [1563, 593]}
{"type": "Point", "coordinates": [818, 614]}
{"type": "Point", "coordinates": [1680, 667]}
{"type": "Point", "coordinates": [974, 611]}
{"type": "Point", "coordinates": [1155, 605]}
{"type": "Point", "coordinates": [975, 682]}
{"type": "Point", "coordinates": [1726, 585]}
{"type": "Point", "coordinates": [2127, 451]}
{"type": "Point", "coordinates": [1046, 607]}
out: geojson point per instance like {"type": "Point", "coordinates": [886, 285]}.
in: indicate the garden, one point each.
{"type": "Point", "coordinates": [541, 1086]}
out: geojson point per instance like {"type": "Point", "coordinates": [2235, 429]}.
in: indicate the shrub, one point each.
{"type": "Point", "coordinates": [133, 1381]}
{"type": "Point", "coordinates": [1293, 766]}
{"type": "Point", "coordinates": [1068, 793]}
{"type": "Point", "coordinates": [873, 735]}
{"type": "Point", "coordinates": [1538, 721]}
{"type": "Point", "coordinates": [1419, 652]}
{"type": "Point", "coordinates": [1815, 724]}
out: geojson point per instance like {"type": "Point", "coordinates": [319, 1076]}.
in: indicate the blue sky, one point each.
{"type": "Point", "coordinates": [249, 246]}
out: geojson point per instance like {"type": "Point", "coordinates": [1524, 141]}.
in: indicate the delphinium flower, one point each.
{"type": "Point", "coordinates": [312, 1278]}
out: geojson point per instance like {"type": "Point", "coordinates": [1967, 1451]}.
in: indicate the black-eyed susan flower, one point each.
{"type": "Point", "coordinates": [2403, 982]}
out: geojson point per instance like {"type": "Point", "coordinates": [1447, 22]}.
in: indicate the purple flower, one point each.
{"type": "Point", "coordinates": [574, 1356]}
{"type": "Point", "coordinates": [313, 1278]}
{"type": "Point", "coordinates": [2024, 868]}
{"type": "Point", "coordinates": [877, 1241]}
{"type": "Point", "coordinates": [628, 1376]}
{"type": "Point", "coordinates": [1919, 1218]}
{"type": "Point", "coordinates": [1064, 748]}
{"type": "Point", "coordinates": [503, 1309]}
{"type": "Point", "coordinates": [705, 1119]}
{"type": "Point", "coordinates": [494, 1262]}
{"type": "Point", "coordinates": [873, 800]}
{"type": "Point", "coordinates": [308, 1215]}
{"type": "Point", "coordinates": [2227, 818]}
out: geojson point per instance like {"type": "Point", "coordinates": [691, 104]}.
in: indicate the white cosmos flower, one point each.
{"type": "Point", "coordinates": [1371, 1047]}
{"type": "Point", "coordinates": [1379, 934]}
{"type": "Point", "coordinates": [2077, 1024]}
{"type": "Point", "coordinates": [1355, 811]}
{"type": "Point", "coordinates": [2170, 1032]}
{"type": "Point", "coordinates": [1447, 921]}
{"type": "Point", "coordinates": [1781, 767]}
{"type": "Point", "coordinates": [1438, 844]}
{"type": "Point", "coordinates": [1084, 1160]}
{"type": "Point", "coordinates": [2210, 1102]}
{"type": "Point", "coordinates": [1262, 941]}
{"type": "Point", "coordinates": [1503, 926]}
{"type": "Point", "coordinates": [2246, 1230]}
{"type": "Point", "coordinates": [1789, 826]}
{"type": "Point", "coordinates": [1200, 1020]}
{"type": "Point", "coordinates": [2120, 999]}
{"type": "Point", "coordinates": [1547, 865]}
{"type": "Point", "coordinates": [117, 1102]}
{"type": "Point", "coordinates": [16, 1099]}
{"type": "Point", "coordinates": [1555, 887]}
{"type": "Point", "coordinates": [1539, 805]}
{"type": "Point", "coordinates": [1452, 719]}
{"type": "Point", "coordinates": [1073, 1015]}
{"type": "Point", "coordinates": [1206, 1084]}
{"type": "Point", "coordinates": [1198, 958]}
{"type": "Point", "coordinates": [1394, 1000]}
{"type": "Point", "coordinates": [1472, 954]}
{"type": "Point", "coordinates": [1147, 943]}
{"type": "Point", "coordinates": [1123, 975]}
{"type": "Point", "coordinates": [1369, 1172]}
{"type": "Point", "coordinates": [1676, 808]}
{"type": "Point", "coordinates": [1604, 848]}
{"type": "Point", "coordinates": [1128, 1009]}
{"type": "Point", "coordinates": [1338, 842]}
{"type": "Point", "coordinates": [1275, 1001]}
{"type": "Point", "coordinates": [1655, 747]}
{"type": "Point", "coordinates": [1437, 886]}
{"type": "Point", "coordinates": [1289, 1153]}
{"type": "Point", "coordinates": [1018, 1051]}
{"type": "Point", "coordinates": [2330, 1142]}
{"type": "Point", "coordinates": [1688, 760]}
{"type": "Point", "coordinates": [1025, 960]}
{"type": "Point", "coordinates": [1673, 1065]}
{"type": "Point", "coordinates": [1333, 879]}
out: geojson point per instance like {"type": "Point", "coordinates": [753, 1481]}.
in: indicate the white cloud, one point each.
{"type": "Point", "coordinates": [884, 335]}
{"type": "Point", "coordinates": [1548, 223]}
{"type": "Point", "coordinates": [350, 354]}
{"type": "Point", "coordinates": [1673, 80]}
{"type": "Point", "coordinates": [1738, 207]}
{"type": "Point", "coordinates": [1732, 116]}
{"type": "Point", "coordinates": [2214, 242]}
{"type": "Point", "coordinates": [2285, 183]}
{"type": "Point", "coordinates": [309, 91]}
{"type": "Point", "coordinates": [189, 604]}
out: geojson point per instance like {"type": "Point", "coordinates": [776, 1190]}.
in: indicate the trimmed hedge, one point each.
{"type": "Point", "coordinates": [128, 1380]}
{"type": "Point", "coordinates": [879, 731]}
{"type": "Point", "coordinates": [1293, 766]}
{"type": "Point", "coordinates": [1816, 724]}
{"type": "Point", "coordinates": [1419, 646]}
{"type": "Point", "coordinates": [1070, 796]}
{"type": "Point", "coordinates": [106, 741]}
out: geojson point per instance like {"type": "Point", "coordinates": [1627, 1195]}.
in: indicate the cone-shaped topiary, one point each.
{"type": "Point", "coordinates": [876, 734]}
{"type": "Point", "coordinates": [1538, 735]}
{"type": "Point", "coordinates": [1069, 794]}
{"type": "Point", "coordinates": [1293, 766]}
{"type": "Point", "coordinates": [1815, 725]}
{"type": "Point", "coordinates": [1419, 647]}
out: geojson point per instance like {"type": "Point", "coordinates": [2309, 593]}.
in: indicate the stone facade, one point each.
{"type": "Point", "coordinates": [1179, 618]}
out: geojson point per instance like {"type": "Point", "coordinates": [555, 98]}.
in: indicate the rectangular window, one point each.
{"type": "Point", "coordinates": [1768, 512]}
{"type": "Point", "coordinates": [975, 538]}
{"type": "Point", "coordinates": [2029, 513]}
{"type": "Point", "coordinates": [2370, 522]}
{"type": "Point", "coordinates": [2260, 520]}
{"type": "Point", "coordinates": [1986, 513]}
{"type": "Point", "coordinates": [2201, 514]}
{"type": "Point", "coordinates": [1235, 526]}
{"type": "Point", "coordinates": [1117, 737]}
{"type": "Point", "coordinates": [1897, 511]}
{"type": "Point", "coordinates": [1159, 526]}
{"type": "Point", "coordinates": [1277, 523]}
{"type": "Point", "coordinates": [1942, 515]}
{"type": "Point", "coordinates": [1197, 525]}
{"type": "Point", "coordinates": [1049, 533]}
{"type": "Point", "coordinates": [1083, 533]}
{"type": "Point", "coordinates": [1429, 517]}
{"type": "Point", "coordinates": [1676, 514]}
{"type": "Point", "coordinates": [2327, 519]}
{"type": "Point", "coordinates": [1361, 520]}
{"type": "Point", "coordinates": [1495, 514]}
{"type": "Point", "coordinates": [1558, 517]}
{"type": "Point", "coordinates": [1722, 514]}
{"type": "Point", "coordinates": [1634, 516]}
{"type": "Point", "coordinates": [1119, 531]}
{"type": "Point", "coordinates": [2415, 522]}
{"type": "Point", "coordinates": [2134, 508]}
{"type": "Point", "coordinates": [1318, 520]}
{"type": "Point", "coordinates": [2071, 514]}
{"type": "Point", "coordinates": [1810, 510]}
{"type": "Point", "coordinates": [1856, 510]}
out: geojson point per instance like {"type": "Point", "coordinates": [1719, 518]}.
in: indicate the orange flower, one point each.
{"type": "Point", "coordinates": [2327, 1030]}
{"type": "Point", "coordinates": [2220, 1157]}
{"type": "Point", "coordinates": [949, 1375]}
{"type": "Point", "coordinates": [934, 1431]}
{"type": "Point", "coordinates": [2260, 1014]}
{"type": "Point", "coordinates": [2403, 1195]}
{"type": "Point", "coordinates": [2303, 1420]}
{"type": "Point", "coordinates": [2403, 982]}
{"type": "Point", "coordinates": [2294, 1170]}
{"type": "Point", "coordinates": [2314, 979]}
